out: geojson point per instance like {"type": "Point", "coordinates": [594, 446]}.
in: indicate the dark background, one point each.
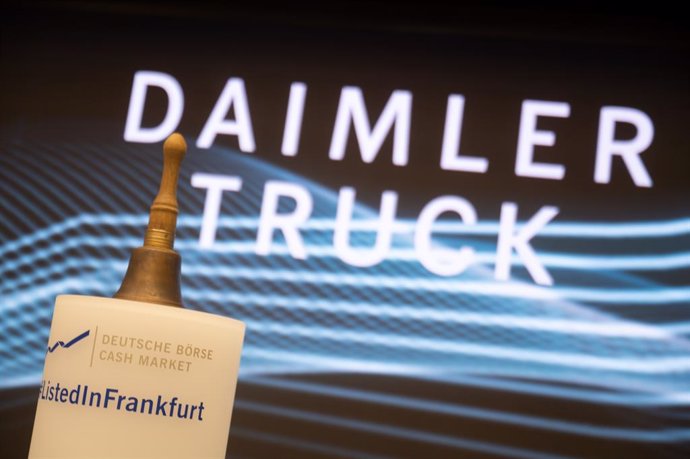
{"type": "Point", "coordinates": [67, 65]}
{"type": "Point", "coordinates": [493, 54]}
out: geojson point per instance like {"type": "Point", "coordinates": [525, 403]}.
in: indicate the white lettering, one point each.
{"type": "Point", "coordinates": [451, 158]}
{"type": "Point", "coordinates": [629, 150]}
{"type": "Point", "coordinates": [439, 260]}
{"type": "Point", "coordinates": [509, 239]}
{"type": "Point", "coordinates": [343, 221]}
{"type": "Point", "coordinates": [215, 184]}
{"type": "Point", "coordinates": [529, 137]}
{"type": "Point", "coordinates": [134, 132]}
{"type": "Point", "coordinates": [233, 94]}
{"type": "Point", "coordinates": [396, 112]}
{"type": "Point", "coordinates": [288, 223]}
{"type": "Point", "coordinates": [293, 120]}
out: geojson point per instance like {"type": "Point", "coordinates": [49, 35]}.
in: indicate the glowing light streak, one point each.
{"type": "Point", "coordinates": [476, 413]}
{"type": "Point", "coordinates": [577, 230]}
{"type": "Point", "coordinates": [571, 326]}
{"type": "Point", "coordinates": [653, 365]}
{"type": "Point", "coordinates": [398, 432]}
{"type": "Point", "coordinates": [621, 296]}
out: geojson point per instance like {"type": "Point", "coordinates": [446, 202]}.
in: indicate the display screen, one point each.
{"type": "Point", "coordinates": [442, 244]}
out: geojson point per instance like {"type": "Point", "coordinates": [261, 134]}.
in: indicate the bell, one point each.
{"type": "Point", "coordinates": [153, 274]}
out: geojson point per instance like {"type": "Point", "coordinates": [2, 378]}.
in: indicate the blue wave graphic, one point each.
{"type": "Point", "coordinates": [613, 332]}
{"type": "Point", "coordinates": [69, 343]}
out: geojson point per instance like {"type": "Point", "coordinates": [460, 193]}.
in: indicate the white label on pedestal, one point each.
{"type": "Point", "coordinates": [130, 379]}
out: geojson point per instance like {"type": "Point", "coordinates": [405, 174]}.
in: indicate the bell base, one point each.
{"type": "Point", "coordinates": [153, 276]}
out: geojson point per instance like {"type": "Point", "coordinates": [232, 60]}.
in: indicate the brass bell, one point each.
{"type": "Point", "coordinates": [153, 274]}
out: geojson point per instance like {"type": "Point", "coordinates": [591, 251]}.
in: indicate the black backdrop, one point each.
{"type": "Point", "coordinates": [67, 70]}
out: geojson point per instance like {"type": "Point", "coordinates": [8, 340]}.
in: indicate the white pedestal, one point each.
{"type": "Point", "coordinates": [130, 379]}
